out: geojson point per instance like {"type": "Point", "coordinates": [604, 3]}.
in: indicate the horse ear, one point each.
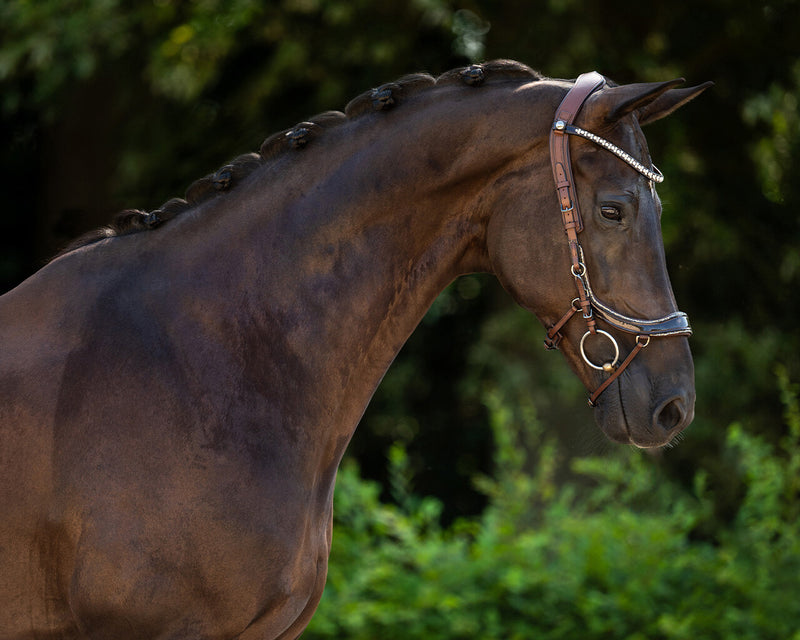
{"type": "Point", "coordinates": [650, 100]}
{"type": "Point", "coordinates": [669, 102]}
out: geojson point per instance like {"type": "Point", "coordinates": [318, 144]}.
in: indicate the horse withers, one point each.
{"type": "Point", "coordinates": [177, 389]}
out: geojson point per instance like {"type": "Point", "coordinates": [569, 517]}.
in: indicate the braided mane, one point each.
{"type": "Point", "coordinates": [225, 178]}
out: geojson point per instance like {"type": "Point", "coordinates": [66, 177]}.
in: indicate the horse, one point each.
{"type": "Point", "coordinates": [177, 389]}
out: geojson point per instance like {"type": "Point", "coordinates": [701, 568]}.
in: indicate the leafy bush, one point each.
{"type": "Point", "coordinates": [617, 551]}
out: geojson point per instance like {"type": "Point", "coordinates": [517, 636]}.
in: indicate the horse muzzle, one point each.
{"type": "Point", "coordinates": [653, 400]}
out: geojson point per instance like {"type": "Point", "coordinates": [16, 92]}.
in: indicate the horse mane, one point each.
{"type": "Point", "coordinates": [226, 177]}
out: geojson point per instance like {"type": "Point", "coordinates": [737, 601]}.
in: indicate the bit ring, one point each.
{"type": "Point", "coordinates": [608, 366]}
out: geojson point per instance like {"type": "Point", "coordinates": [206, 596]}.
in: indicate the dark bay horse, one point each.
{"type": "Point", "coordinates": [176, 391]}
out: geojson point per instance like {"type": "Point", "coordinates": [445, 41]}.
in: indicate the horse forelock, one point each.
{"type": "Point", "coordinates": [381, 98]}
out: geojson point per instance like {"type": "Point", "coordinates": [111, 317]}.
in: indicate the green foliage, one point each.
{"type": "Point", "coordinates": [54, 43]}
{"type": "Point", "coordinates": [184, 48]}
{"type": "Point", "coordinates": [777, 114]}
{"type": "Point", "coordinates": [612, 553]}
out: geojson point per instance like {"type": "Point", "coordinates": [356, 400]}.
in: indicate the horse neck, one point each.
{"type": "Point", "coordinates": [342, 247]}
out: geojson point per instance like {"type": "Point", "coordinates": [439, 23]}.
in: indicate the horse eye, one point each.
{"type": "Point", "coordinates": [610, 213]}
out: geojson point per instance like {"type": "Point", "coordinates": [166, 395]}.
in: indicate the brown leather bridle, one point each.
{"type": "Point", "coordinates": [673, 324]}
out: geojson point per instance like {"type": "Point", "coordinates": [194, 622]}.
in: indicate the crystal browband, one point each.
{"type": "Point", "coordinates": [652, 174]}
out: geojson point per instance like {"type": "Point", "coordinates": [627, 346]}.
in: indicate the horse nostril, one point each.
{"type": "Point", "coordinates": [669, 416]}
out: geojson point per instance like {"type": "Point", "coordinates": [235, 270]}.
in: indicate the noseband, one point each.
{"type": "Point", "coordinates": [673, 324]}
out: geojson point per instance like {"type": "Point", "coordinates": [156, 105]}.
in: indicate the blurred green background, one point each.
{"type": "Point", "coordinates": [478, 499]}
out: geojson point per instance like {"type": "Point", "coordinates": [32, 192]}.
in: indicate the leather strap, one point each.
{"type": "Point", "coordinates": [640, 344]}
{"type": "Point", "coordinates": [567, 111]}
{"type": "Point", "coordinates": [554, 336]}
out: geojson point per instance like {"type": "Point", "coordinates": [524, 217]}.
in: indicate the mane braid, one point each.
{"type": "Point", "coordinates": [225, 178]}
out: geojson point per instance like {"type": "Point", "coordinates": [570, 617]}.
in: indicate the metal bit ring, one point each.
{"type": "Point", "coordinates": [608, 366]}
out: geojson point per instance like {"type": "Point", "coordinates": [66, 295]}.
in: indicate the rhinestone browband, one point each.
{"type": "Point", "coordinates": [651, 174]}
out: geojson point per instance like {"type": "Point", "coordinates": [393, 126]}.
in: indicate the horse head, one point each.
{"type": "Point", "coordinates": [588, 259]}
